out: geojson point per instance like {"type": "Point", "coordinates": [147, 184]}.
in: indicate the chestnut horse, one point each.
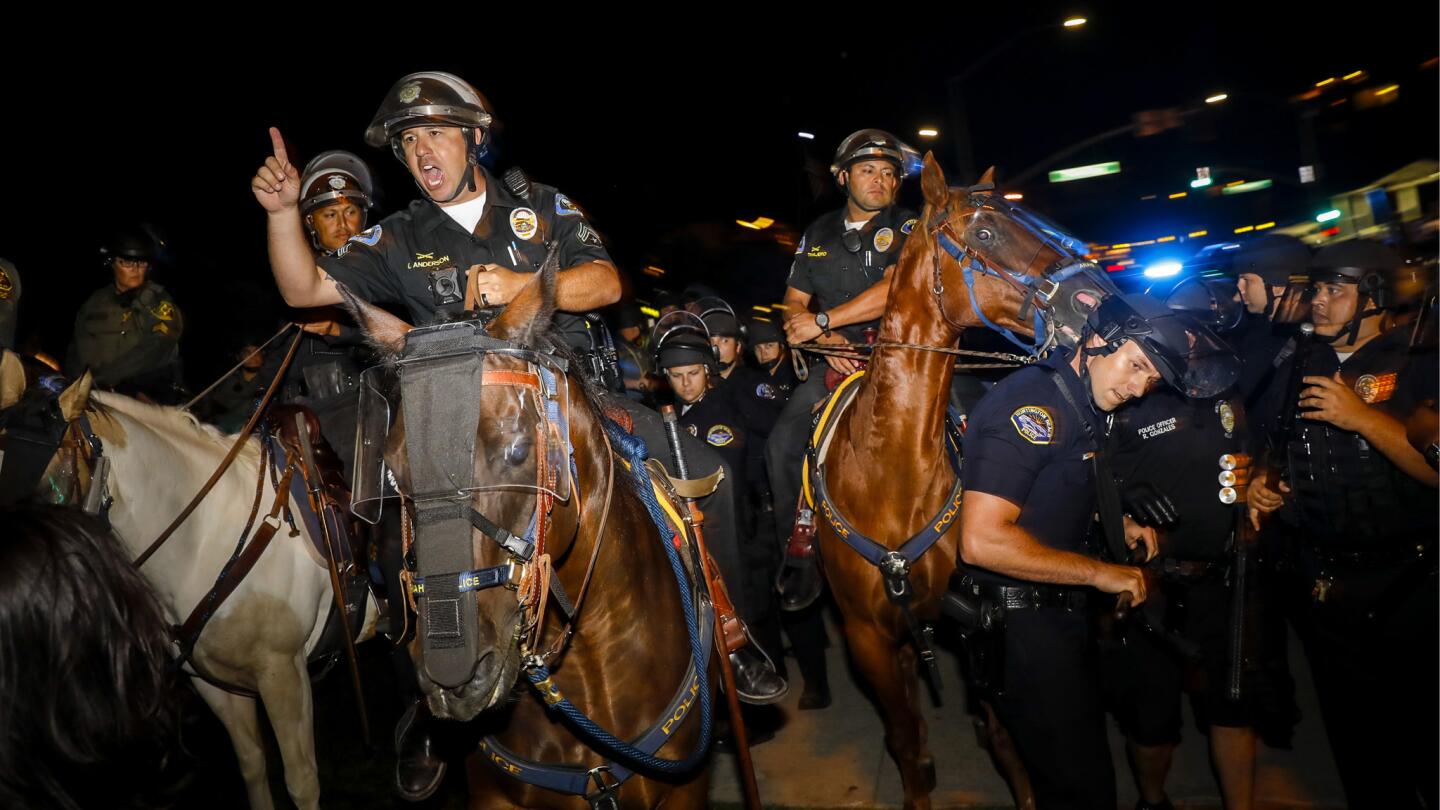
{"type": "Point", "coordinates": [896, 423]}
{"type": "Point", "coordinates": [630, 649]}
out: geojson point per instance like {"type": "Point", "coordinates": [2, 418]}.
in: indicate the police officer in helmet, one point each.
{"type": "Point", "coordinates": [685, 355]}
{"type": "Point", "coordinates": [1034, 475]}
{"type": "Point", "coordinates": [1263, 269]}
{"type": "Point", "coordinates": [841, 271]}
{"type": "Point", "coordinates": [128, 332]}
{"type": "Point", "coordinates": [1359, 501]}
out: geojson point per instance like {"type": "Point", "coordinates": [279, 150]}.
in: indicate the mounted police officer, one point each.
{"type": "Point", "coordinates": [1359, 500]}
{"type": "Point", "coordinates": [842, 270]}
{"type": "Point", "coordinates": [685, 355]}
{"type": "Point", "coordinates": [1034, 474]}
{"type": "Point", "coordinates": [470, 243]}
{"type": "Point", "coordinates": [128, 332]}
{"type": "Point", "coordinates": [1165, 452]}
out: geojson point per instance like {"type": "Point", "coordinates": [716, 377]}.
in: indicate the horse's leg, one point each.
{"type": "Point", "coordinates": [285, 690]}
{"type": "Point", "coordinates": [241, 719]}
{"type": "Point", "coordinates": [1002, 748]}
{"type": "Point", "coordinates": [891, 672]}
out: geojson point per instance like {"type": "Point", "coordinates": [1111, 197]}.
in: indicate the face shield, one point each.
{"type": "Point", "coordinates": [1213, 302]}
{"type": "Point", "coordinates": [1187, 354]}
{"type": "Point", "coordinates": [477, 421]}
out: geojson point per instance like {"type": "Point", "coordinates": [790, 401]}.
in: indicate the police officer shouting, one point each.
{"type": "Point", "coordinates": [842, 266]}
{"type": "Point", "coordinates": [1359, 499]}
{"type": "Point", "coordinates": [128, 332]}
{"type": "Point", "coordinates": [1032, 479]}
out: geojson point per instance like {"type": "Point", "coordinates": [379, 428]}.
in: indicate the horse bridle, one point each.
{"type": "Point", "coordinates": [1038, 291]}
{"type": "Point", "coordinates": [31, 445]}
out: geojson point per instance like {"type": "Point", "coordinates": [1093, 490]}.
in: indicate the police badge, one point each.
{"type": "Point", "coordinates": [1227, 417]}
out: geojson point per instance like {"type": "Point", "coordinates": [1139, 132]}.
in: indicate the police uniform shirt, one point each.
{"type": "Point", "coordinates": [393, 260]}
{"type": "Point", "coordinates": [758, 399]}
{"type": "Point", "coordinates": [1175, 444]}
{"type": "Point", "coordinates": [1024, 443]}
{"type": "Point", "coordinates": [825, 269]}
{"type": "Point", "coordinates": [124, 336]}
{"type": "Point", "coordinates": [1348, 495]}
{"type": "Point", "coordinates": [717, 421]}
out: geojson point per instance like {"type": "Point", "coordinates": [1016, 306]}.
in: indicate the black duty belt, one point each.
{"type": "Point", "coordinates": [1025, 597]}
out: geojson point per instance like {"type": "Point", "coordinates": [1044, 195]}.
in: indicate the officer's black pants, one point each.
{"type": "Point", "coordinates": [1051, 707]}
{"type": "Point", "coordinates": [721, 508]}
{"type": "Point", "coordinates": [1376, 681]}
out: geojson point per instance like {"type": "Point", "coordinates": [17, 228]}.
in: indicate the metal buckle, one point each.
{"type": "Point", "coordinates": [603, 797]}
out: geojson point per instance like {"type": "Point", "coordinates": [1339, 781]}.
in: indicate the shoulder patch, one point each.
{"type": "Point", "coordinates": [801, 248]}
{"type": "Point", "coordinates": [564, 207]}
{"type": "Point", "coordinates": [1373, 388]}
{"type": "Point", "coordinates": [884, 238]}
{"type": "Point", "coordinates": [765, 391]}
{"type": "Point", "coordinates": [1034, 424]}
{"type": "Point", "coordinates": [720, 435]}
{"type": "Point", "coordinates": [369, 236]}
{"type": "Point", "coordinates": [165, 311]}
{"type": "Point", "coordinates": [908, 226]}
{"type": "Point", "coordinates": [7, 287]}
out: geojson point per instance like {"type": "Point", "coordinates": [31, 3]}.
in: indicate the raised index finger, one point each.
{"type": "Point", "coordinates": [278, 144]}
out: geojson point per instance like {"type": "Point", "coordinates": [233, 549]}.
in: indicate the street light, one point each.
{"type": "Point", "coordinates": [959, 122]}
{"type": "Point", "coordinates": [809, 136]}
{"type": "Point", "coordinates": [928, 132]}
{"type": "Point", "coordinates": [1217, 98]}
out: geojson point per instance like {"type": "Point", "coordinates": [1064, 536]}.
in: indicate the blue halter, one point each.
{"type": "Point", "coordinates": [1039, 289]}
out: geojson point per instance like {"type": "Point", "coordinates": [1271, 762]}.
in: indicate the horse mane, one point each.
{"type": "Point", "coordinates": [172, 422]}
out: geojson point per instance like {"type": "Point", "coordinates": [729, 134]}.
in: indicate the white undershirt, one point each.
{"type": "Point", "coordinates": [1343, 356]}
{"type": "Point", "coordinates": [854, 226]}
{"type": "Point", "coordinates": [467, 214]}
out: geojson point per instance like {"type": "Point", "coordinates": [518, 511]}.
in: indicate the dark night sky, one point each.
{"type": "Point", "coordinates": [688, 124]}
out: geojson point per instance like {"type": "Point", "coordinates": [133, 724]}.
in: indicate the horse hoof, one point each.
{"type": "Point", "coordinates": [927, 775]}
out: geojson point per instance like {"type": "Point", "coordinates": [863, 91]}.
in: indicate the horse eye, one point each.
{"type": "Point", "coordinates": [984, 235]}
{"type": "Point", "coordinates": [518, 451]}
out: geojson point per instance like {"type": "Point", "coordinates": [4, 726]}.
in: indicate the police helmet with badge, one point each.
{"type": "Point", "coordinates": [1187, 354]}
{"type": "Point", "coordinates": [434, 97]}
{"type": "Point", "coordinates": [875, 144]}
{"type": "Point", "coordinates": [330, 178]}
{"type": "Point", "coordinates": [1371, 266]}
{"type": "Point", "coordinates": [1209, 301]}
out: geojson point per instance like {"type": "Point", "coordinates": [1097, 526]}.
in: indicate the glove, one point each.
{"type": "Point", "coordinates": [1148, 505]}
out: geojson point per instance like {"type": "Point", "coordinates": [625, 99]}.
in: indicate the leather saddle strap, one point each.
{"type": "Point", "coordinates": [230, 579]}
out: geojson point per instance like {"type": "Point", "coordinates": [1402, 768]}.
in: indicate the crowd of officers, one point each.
{"type": "Point", "coordinates": [1301, 488]}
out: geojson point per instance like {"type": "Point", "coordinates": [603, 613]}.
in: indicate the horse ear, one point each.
{"type": "Point", "coordinates": [384, 331]}
{"type": "Point", "coordinates": [12, 378]}
{"type": "Point", "coordinates": [932, 182]}
{"type": "Point", "coordinates": [988, 178]}
{"type": "Point", "coordinates": [76, 398]}
{"type": "Point", "coordinates": [530, 312]}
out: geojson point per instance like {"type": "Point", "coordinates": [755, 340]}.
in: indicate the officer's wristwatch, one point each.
{"type": "Point", "coordinates": [822, 320]}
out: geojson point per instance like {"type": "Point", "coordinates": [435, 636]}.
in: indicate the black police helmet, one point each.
{"type": "Point", "coordinates": [129, 244]}
{"type": "Point", "coordinates": [873, 144]}
{"type": "Point", "coordinates": [762, 330]}
{"type": "Point", "coordinates": [1274, 257]}
{"type": "Point", "coordinates": [1189, 357]}
{"type": "Point", "coordinates": [1363, 262]}
{"type": "Point", "coordinates": [428, 97]}
{"type": "Point", "coordinates": [1210, 301]}
{"type": "Point", "coordinates": [681, 339]}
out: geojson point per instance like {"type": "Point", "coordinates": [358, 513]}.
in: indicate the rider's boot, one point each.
{"type": "Point", "coordinates": [419, 770]}
{"type": "Point", "coordinates": [756, 681]}
{"type": "Point", "coordinates": [799, 582]}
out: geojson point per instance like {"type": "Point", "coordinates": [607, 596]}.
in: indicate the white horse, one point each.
{"type": "Point", "coordinates": [260, 637]}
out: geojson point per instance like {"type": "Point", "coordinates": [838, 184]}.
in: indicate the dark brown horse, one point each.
{"type": "Point", "coordinates": [629, 650]}
{"type": "Point", "coordinates": [896, 425]}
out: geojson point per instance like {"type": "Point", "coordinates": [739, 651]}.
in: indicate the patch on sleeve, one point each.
{"type": "Point", "coordinates": [165, 311]}
{"type": "Point", "coordinates": [564, 207]}
{"type": "Point", "coordinates": [908, 226]}
{"type": "Point", "coordinates": [7, 287]}
{"type": "Point", "coordinates": [369, 236]}
{"type": "Point", "coordinates": [588, 236]}
{"type": "Point", "coordinates": [1034, 424]}
{"type": "Point", "coordinates": [765, 391]}
{"type": "Point", "coordinates": [1374, 388]}
{"type": "Point", "coordinates": [801, 249]}
{"type": "Point", "coordinates": [720, 435]}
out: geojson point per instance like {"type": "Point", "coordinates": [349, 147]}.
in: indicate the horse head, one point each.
{"type": "Point", "coordinates": [494, 421]}
{"type": "Point", "coordinates": [996, 264]}
{"type": "Point", "coordinates": [50, 454]}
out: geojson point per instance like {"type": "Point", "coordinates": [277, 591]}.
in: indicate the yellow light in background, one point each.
{"type": "Point", "coordinates": [1143, 244]}
{"type": "Point", "coordinates": [1015, 195]}
{"type": "Point", "coordinates": [1234, 183]}
{"type": "Point", "coordinates": [652, 270]}
{"type": "Point", "coordinates": [760, 223]}
{"type": "Point", "coordinates": [1330, 80]}
{"type": "Point", "coordinates": [651, 311]}
{"type": "Point", "coordinates": [1165, 239]}
{"type": "Point", "coordinates": [1177, 195]}
{"type": "Point", "coordinates": [1121, 246]}
{"type": "Point", "coordinates": [780, 307]}
{"type": "Point", "coordinates": [1357, 74]}
{"type": "Point", "coordinates": [1194, 234]}
{"type": "Point", "coordinates": [928, 132]}
{"type": "Point", "coordinates": [1217, 98]}
{"type": "Point", "coordinates": [759, 308]}
{"type": "Point", "coordinates": [1387, 90]}
{"type": "Point", "coordinates": [1074, 22]}
{"type": "Point", "coordinates": [1245, 229]}
{"type": "Point", "coordinates": [1262, 226]}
